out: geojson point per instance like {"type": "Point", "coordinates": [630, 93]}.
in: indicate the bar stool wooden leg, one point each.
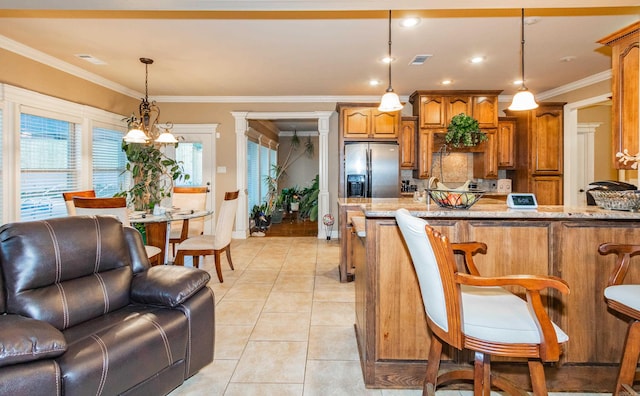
{"type": "Point", "coordinates": [629, 360]}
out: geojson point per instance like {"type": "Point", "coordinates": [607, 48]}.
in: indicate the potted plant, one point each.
{"type": "Point", "coordinates": [309, 202]}
{"type": "Point", "coordinates": [464, 131]}
{"type": "Point", "coordinates": [152, 174]}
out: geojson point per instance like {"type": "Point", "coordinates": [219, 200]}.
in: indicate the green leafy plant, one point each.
{"type": "Point", "coordinates": [464, 131]}
{"type": "Point", "coordinates": [280, 170]}
{"type": "Point", "coordinates": [153, 175]}
{"type": "Point", "coordinates": [309, 202]}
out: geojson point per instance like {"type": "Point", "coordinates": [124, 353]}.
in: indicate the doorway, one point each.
{"type": "Point", "coordinates": [196, 150]}
{"type": "Point", "coordinates": [241, 128]}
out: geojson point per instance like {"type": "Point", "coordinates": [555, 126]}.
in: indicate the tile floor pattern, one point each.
{"type": "Point", "coordinates": [284, 325]}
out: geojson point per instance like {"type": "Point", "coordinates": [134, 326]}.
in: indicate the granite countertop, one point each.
{"type": "Point", "coordinates": [386, 207]}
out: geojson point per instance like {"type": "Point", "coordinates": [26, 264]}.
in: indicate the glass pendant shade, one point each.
{"type": "Point", "coordinates": [135, 136]}
{"type": "Point", "coordinates": [523, 100]}
{"type": "Point", "coordinates": [166, 137]}
{"type": "Point", "coordinates": [390, 102]}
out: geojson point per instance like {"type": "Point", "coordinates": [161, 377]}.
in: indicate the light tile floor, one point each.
{"type": "Point", "coordinates": [284, 324]}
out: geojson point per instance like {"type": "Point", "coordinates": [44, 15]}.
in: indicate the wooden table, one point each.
{"type": "Point", "coordinates": [157, 227]}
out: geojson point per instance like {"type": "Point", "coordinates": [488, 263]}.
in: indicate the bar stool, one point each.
{"type": "Point", "coordinates": [624, 299]}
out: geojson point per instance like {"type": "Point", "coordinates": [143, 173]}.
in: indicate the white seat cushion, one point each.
{"type": "Point", "coordinates": [628, 295]}
{"type": "Point", "coordinates": [200, 242]}
{"type": "Point", "coordinates": [152, 250]}
{"type": "Point", "coordinates": [494, 314]}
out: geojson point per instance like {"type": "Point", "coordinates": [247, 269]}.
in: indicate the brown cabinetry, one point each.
{"type": "Point", "coordinates": [625, 67]}
{"type": "Point", "coordinates": [539, 152]}
{"type": "Point", "coordinates": [434, 110]}
{"type": "Point", "coordinates": [485, 163]}
{"type": "Point", "coordinates": [407, 142]}
{"type": "Point", "coordinates": [361, 122]}
{"type": "Point", "coordinates": [506, 141]}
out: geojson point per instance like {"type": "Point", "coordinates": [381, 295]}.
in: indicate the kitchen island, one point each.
{"type": "Point", "coordinates": [391, 329]}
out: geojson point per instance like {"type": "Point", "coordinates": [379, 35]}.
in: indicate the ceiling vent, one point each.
{"type": "Point", "coordinates": [420, 59]}
{"type": "Point", "coordinates": [91, 59]}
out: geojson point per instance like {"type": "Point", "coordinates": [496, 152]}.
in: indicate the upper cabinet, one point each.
{"type": "Point", "coordinates": [363, 122]}
{"type": "Point", "coordinates": [436, 108]}
{"type": "Point", "coordinates": [506, 142]}
{"type": "Point", "coordinates": [625, 64]}
{"type": "Point", "coordinates": [407, 142]}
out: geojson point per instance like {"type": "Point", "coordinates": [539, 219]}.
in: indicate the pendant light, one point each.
{"type": "Point", "coordinates": [390, 100]}
{"type": "Point", "coordinates": [145, 127]}
{"type": "Point", "coordinates": [523, 100]}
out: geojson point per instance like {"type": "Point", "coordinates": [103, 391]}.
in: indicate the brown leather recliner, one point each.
{"type": "Point", "coordinates": [84, 313]}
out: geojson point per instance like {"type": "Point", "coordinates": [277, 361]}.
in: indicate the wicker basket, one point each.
{"type": "Point", "coordinates": [617, 200]}
{"type": "Point", "coordinates": [453, 199]}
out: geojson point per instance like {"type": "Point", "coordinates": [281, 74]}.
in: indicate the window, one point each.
{"type": "Point", "coordinates": [1, 178]}
{"type": "Point", "coordinates": [49, 164]}
{"type": "Point", "coordinates": [253, 175]}
{"type": "Point", "coordinates": [190, 154]}
{"type": "Point", "coordinates": [265, 170]}
{"type": "Point", "coordinates": [109, 162]}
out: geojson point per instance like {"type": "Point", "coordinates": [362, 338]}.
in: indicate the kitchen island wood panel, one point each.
{"type": "Point", "coordinates": [391, 329]}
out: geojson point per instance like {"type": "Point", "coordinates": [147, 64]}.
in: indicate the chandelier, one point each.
{"type": "Point", "coordinates": [145, 127]}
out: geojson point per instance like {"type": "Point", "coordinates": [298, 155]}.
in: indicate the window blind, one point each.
{"type": "Point", "coordinates": [109, 162]}
{"type": "Point", "coordinates": [190, 154]}
{"type": "Point", "coordinates": [1, 178]}
{"type": "Point", "coordinates": [253, 175]}
{"type": "Point", "coordinates": [49, 165]}
{"type": "Point", "coordinates": [264, 172]}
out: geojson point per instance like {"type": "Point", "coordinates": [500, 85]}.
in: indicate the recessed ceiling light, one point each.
{"type": "Point", "coordinates": [567, 58]}
{"type": "Point", "coordinates": [446, 82]}
{"type": "Point", "coordinates": [91, 59]}
{"type": "Point", "coordinates": [409, 22]}
{"type": "Point", "coordinates": [517, 82]}
{"type": "Point", "coordinates": [477, 59]}
{"type": "Point", "coordinates": [374, 83]}
{"type": "Point", "coordinates": [387, 59]}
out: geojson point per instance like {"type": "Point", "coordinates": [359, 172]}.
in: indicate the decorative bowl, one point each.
{"type": "Point", "coordinates": [617, 200]}
{"type": "Point", "coordinates": [455, 199]}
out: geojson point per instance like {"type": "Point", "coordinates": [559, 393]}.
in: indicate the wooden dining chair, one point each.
{"type": "Point", "coordinates": [117, 207]}
{"type": "Point", "coordinates": [68, 199]}
{"type": "Point", "coordinates": [468, 311]}
{"type": "Point", "coordinates": [206, 245]}
{"type": "Point", "coordinates": [624, 299]}
{"type": "Point", "coordinates": [187, 198]}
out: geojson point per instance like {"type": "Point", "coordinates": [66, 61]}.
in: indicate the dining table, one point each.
{"type": "Point", "coordinates": [157, 226]}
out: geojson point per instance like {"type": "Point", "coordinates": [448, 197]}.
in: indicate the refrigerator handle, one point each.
{"type": "Point", "coordinates": [369, 181]}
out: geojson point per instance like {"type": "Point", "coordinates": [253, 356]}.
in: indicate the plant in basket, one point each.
{"type": "Point", "coordinates": [464, 131]}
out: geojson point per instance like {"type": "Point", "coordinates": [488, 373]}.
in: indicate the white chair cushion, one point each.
{"type": "Point", "coordinates": [494, 314]}
{"type": "Point", "coordinates": [628, 295]}
{"type": "Point", "coordinates": [200, 242]}
{"type": "Point", "coordinates": [152, 250]}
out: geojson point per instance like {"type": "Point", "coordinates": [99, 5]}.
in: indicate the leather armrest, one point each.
{"type": "Point", "coordinates": [25, 339]}
{"type": "Point", "coordinates": [167, 285]}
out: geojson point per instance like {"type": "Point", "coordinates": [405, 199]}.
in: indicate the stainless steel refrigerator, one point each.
{"type": "Point", "coordinates": [372, 170]}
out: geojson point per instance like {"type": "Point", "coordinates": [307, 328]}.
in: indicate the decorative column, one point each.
{"type": "Point", "coordinates": [242, 214]}
{"type": "Point", "coordinates": [324, 205]}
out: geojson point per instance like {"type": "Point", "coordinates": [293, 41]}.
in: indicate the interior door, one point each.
{"type": "Point", "coordinates": [195, 150]}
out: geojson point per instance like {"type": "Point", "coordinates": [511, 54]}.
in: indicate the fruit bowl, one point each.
{"type": "Point", "coordinates": [617, 200]}
{"type": "Point", "coordinates": [455, 199]}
